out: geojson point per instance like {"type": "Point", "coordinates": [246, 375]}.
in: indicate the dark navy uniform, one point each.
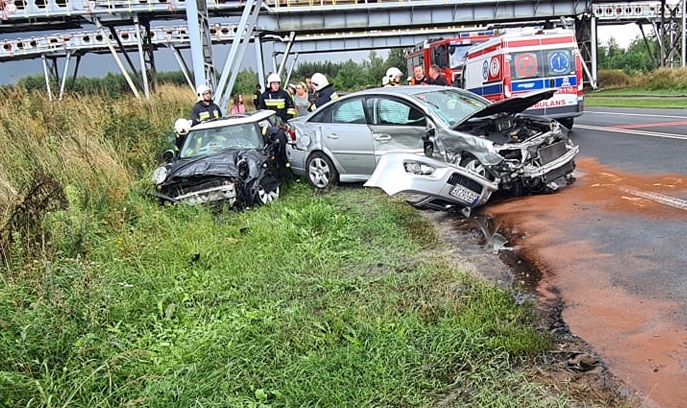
{"type": "Point", "coordinates": [202, 112]}
{"type": "Point", "coordinates": [279, 101]}
{"type": "Point", "coordinates": [324, 95]}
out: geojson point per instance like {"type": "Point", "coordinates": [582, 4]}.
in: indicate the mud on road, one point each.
{"type": "Point", "coordinates": [641, 335]}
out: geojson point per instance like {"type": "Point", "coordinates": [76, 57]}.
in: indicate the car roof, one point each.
{"type": "Point", "coordinates": [403, 90]}
{"type": "Point", "coordinates": [235, 119]}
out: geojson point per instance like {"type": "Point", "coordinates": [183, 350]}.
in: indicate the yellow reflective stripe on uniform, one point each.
{"type": "Point", "coordinates": [203, 115]}
{"type": "Point", "coordinates": [275, 103]}
{"type": "Point", "coordinates": [292, 112]}
{"type": "Point", "coordinates": [334, 96]}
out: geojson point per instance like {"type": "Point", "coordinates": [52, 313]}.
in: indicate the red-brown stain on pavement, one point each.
{"type": "Point", "coordinates": [636, 336]}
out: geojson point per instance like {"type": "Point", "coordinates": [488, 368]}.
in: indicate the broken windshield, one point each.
{"type": "Point", "coordinates": [451, 106]}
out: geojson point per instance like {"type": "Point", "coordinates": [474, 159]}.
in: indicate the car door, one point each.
{"type": "Point", "coordinates": [345, 136]}
{"type": "Point", "coordinates": [396, 125]}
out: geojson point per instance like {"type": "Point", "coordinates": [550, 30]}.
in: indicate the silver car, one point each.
{"type": "Point", "coordinates": [345, 139]}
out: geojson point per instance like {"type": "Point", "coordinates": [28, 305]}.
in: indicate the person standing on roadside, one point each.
{"type": "Point", "coordinates": [419, 77]}
{"type": "Point", "coordinates": [238, 106]}
{"type": "Point", "coordinates": [205, 108]}
{"type": "Point", "coordinates": [256, 95]}
{"type": "Point", "coordinates": [277, 99]}
{"type": "Point", "coordinates": [325, 91]}
{"type": "Point", "coordinates": [395, 76]}
{"type": "Point", "coordinates": [436, 77]}
{"type": "Point", "coordinates": [301, 100]}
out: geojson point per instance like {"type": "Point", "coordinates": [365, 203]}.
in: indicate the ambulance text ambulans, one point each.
{"type": "Point", "coordinates": [518, 63]}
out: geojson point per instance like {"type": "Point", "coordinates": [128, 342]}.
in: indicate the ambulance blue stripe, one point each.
{"type": "Point", "coordinates": [537, 84]}
{"type": "Point", "coordinates": [529, 85]}
{"type": "Point", "coordinates": [493, 89]}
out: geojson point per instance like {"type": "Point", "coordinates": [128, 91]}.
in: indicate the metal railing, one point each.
{"type": "Point", "coordinates": [94, 41]}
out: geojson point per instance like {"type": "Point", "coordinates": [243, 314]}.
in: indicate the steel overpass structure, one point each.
{"type": "Point", "coordinates": [68, 29]}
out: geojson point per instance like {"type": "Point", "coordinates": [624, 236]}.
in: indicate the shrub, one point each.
{"type": "Point", "coordinates": [667, 78]}
{"type": "Point", "coordinates": [613, 78]}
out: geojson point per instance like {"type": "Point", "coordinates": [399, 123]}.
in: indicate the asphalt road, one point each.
{"type": "Point", "coordinates": [613, 246]}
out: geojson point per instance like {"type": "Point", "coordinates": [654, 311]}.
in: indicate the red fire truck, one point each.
{"type": "Point", "coordinates": [525, 61]}
{"type": "Point", "coordinates": [448, 53]}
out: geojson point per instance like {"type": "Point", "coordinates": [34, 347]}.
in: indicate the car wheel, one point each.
{"type": "Point", "coordinates": [472, 164]}
{"type": "Point", "coordinates": [321, 171]}
{"type": "Point", "coordinates": [567, 122]}
{"type": "Point", "coordinates": [266, 196]}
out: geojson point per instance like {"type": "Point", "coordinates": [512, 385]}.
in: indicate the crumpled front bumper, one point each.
{"type": "Point", "coordinates": [437, 179]}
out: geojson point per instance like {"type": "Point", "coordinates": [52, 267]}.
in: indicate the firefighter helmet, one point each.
{"type": "Point", "coordinates": [182, 126]}
{"type": "Point", "coordinates": [202, 89]}
{"type": "Point", "coordinates": [273, 78]}
{"type": "Point", "coordinates": [319, 81]}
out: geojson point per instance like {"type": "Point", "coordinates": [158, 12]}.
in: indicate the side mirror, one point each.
{"type": "Point", "coordinates": [428, 142]}
{"type": "Point", "coordinates": [168, 155]}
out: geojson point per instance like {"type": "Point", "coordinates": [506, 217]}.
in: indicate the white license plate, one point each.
{"type": "Point", "coordinates": [464, 194]}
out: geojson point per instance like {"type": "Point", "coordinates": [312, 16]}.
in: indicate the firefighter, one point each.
{"type": "Point", "coordinates": [395, 76]}
{"type": "Point", "coordinates": [205, 108]}
{"type": "Point", "coordinates": [181, 129]}
{"type": "Point", "coordinates": [325, 91]}
{"type": "Point", "coordinates": [277, 99]}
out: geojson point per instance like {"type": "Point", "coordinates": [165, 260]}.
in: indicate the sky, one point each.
{"type": "Point", "coordinates": [93, 65]}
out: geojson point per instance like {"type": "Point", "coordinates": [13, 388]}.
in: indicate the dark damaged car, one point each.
{"type": "Point", "coordinates": [415, 137]}
{"type": "Point", "coordinates": [223, 161]}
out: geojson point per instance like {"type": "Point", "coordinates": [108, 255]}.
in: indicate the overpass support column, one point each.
{"type": "Point", "coordinates": [585, 32]}
{"type": "Point", "coordinates": [683, 33]}
{"type": "Point", "coordinates": [244, 31]}
{"type": "Point", "coordinates": [201, 44]}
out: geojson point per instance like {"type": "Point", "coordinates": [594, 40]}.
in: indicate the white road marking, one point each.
{"type": "Point", "coordinates": [634, 132]}
{"type": "Point", "coordinates": [636, 114]}
{"type": "Point", "coordinates": [659, 198]}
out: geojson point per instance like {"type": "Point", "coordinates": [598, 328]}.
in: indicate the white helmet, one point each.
{"type": "Point", "coordinates": [182, 126]}
{"type": "Point", "coordinates": [273, 78]}
{"type": "Point", "coordinates": [202, 89]}
{"type": "Point", "coordinates": [393, 73]}
{"type": "Point", "coordinates": [319, 81]}
{"type": "Point", "coordinates": [385, 81]}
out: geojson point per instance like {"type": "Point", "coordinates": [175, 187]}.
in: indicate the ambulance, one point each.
{"type": "Point", "coordinates": [516, 63]}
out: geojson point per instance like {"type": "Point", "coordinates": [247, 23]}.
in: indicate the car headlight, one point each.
{"type": "Point", "coordinates": [160, 175]}
{"type": "Point", "coordinates": [418, 168]}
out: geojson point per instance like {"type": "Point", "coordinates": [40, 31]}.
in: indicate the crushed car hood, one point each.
{"type": "Point", "coordinates": [220, 164]}
{"type": "Point", "coordinates": [513, 105]}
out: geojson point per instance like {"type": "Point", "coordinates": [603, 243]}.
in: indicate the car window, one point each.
{"type": "Point", "coordinates": [395, 112]}
{"type": "Point", "coordinates": [349, 111]}
{"type": "Point", "coordinates": [323, 116]}
{"type": "Point", "coordinates": [451, 105]}
{"type": "Point", "coordinates": [214, 140]}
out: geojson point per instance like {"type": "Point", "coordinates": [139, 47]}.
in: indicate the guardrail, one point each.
{"type": "Point", "coordinates": [94, 41]}
{"type": "Point", "coordinates": [632, 11]}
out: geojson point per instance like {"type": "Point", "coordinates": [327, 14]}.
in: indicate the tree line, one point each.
{"type": "Point", "coordinates": [347, 76]}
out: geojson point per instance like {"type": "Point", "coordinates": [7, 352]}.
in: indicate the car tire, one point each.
{"type": "Point", "coordinates": [267, 196]}
{"type": "Point", "coordinates": [567, 122]}
{"type": "Point", "coordinates": [321, 171]}
{"type": "Point", "coordinates": [472, 164]}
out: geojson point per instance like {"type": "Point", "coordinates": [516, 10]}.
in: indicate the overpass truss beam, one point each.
{"type": "Point", "coordinates": [413, 14]}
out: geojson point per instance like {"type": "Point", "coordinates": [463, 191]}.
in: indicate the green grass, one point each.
{"type": "Point", "coordinates": [640, 92]}
{"type": "Point", "coordinates": [636, 99]}
{"type": "Point", "coordinates": [332, 301]}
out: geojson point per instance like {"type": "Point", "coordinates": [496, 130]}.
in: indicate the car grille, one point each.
{"type": "Point", "coordinates": [552, 152]}
{"type": "Point", "coordinates": [457, 178]}
{"type": "Point", "coordinates": [559, 172]}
